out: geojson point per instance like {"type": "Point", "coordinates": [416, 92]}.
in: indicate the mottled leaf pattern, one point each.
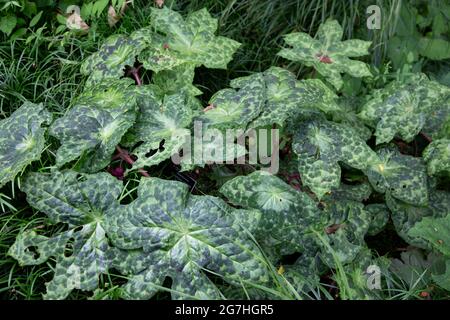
{"type": "Point", "coordinates": [287, 97]}
{"type": "Point", "coordinates": [320, 145]}
{"type": "Point", "coordinates": [437, 157]}
{"type": "Point", "coordinates": [189, 41]}
{"type": "Point", "coordinates": [356, 192]}
{"type": "Point", "coordinates": [404, 177]}
{"type": "Point", "coordinates": [93, 127]}
{"type": "Point", "coordinates": [378, 216]}
{"type": "Point", "coordinates": [22, 139]}
{"type": "Point", "coordinates": [235, 108]}
{"type": "Point", "coordinates": [405, 215]}
{"type": "Point", "coordinates": [287, 215]}
{"type": "Point", "coordinates": [327, 53]}
{"type": "Point", "coordinates": [83, 203]}
{"type": "Point", "coordinates": [162, 126]}
{"type": "Point", "coordinates": [403, 109]}
{"type": "Point", "coordinates": [348, 223]}
{"type": "Point", "coordinates": [109, 62]}
{"type": "Point", "coordinates": [184, 234]}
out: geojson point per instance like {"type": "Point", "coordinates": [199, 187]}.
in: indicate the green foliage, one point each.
{"type": "Point", "coordinates": [95, 125]}
{"type": "Point", "coordinates": [22, 139]}
{"type": "Point", "coordinates": [327, 53]}
{"type": "Point", "coordinates": [368, 162]}
{"type": "Point", "coordinates": [409, 41]}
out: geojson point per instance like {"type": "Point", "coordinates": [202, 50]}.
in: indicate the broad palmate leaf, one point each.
{"type": "Point", "coordinates": [21, 139]}
{"type": "Point", "coordinates": [288, 97]}
{"type": "Point", "coordinates": [327, 53]}
{"type": "Point", "coordinates": [235, 108]}
{"type": "Point", "coordinates": [82, 202]}
{"type": "Point", "coordinates": [287, 214]}
{"type": "Point", "coordinates": [182, 236]}
{"type": "Point", "coordinates": [186, 41]}
{"type": "Point", "coordinates": [403, 108]}
{"type": "Point", "coordinates": [161, 125]}
{"type": "Point", "coordinates": [93, 127]}
{"type": "Point", "coordinates": [320, 145]}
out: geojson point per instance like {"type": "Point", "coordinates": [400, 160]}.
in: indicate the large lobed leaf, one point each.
{"type": "Point", "coordinates": [320, 145]}
{"type": "Point", "coordinates": [82, 202]}
{"type": "Point", "coordinates": [22, 139]}
{"type": "Point", "coordinates": [180, 236]}
{"type": "Point", "coordinates": [92, 128]}
{"type": "Point", "coordinates": [403, 108]}
{"type": "Point", "coordinates": [235, 108]}
{"type": "Point", "coordinates": [287, 97]}
{"type": "Point", "coordinates": [401, 176]}
{"type": "Point", "coordinates": [288, 216]}
{"type": "Point", "coordinates": [327, 53]}
{"type": "Point", "coordinates": [186, 41]}
{"type": "Point", "coordinates": [162, 125]}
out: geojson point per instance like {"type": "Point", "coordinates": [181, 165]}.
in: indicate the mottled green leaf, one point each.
{"type": "Point", "coordinates": [437, 156]}
{"type": "Point", "coordinates": [403, 108]}
{"type": "Point", "coordinates": [404, 177]}
{"type": "Point", "coordinates": [83, 202]}
{"type": "Point", "coordinates": [405, 215]}
{"type": "Point", "coordinates": [93, 127]}
{"type": "Point", "coordinates": [21, 139]}
{"type": "Point", "coordinates": [320, 145]}
{"type": "Point", "coordinates": [357, 192]}
{"type": "Point", "coordinates": [378, 215]}
{"type": "Point", "coordinates": [178, 79]}
{"type": "Point", "coordinates": [183, 234]}
{"type": "Point", "coordinates": [327, 53]}
{"type": "Point", "coordinates": [287, 97]}
{"type": "Point", "coordinates": [162, 126]}
{"type": "Point", "coordinates": [235, 108]}
{"type": "Point", "coordinates": [186, 41]}
{"type": "Point", "coordinates": [287, 214]}
{"type": "Point", "coordinates": [348, 223]}
{"type": "Point", "coordinates": [109, 62]}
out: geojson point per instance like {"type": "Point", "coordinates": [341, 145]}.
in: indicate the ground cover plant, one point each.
{"type": "Point", "coordinates": [107, 193]}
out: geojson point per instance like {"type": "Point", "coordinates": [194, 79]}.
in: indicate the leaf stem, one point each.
{"type": "Point", "coordinates": [125, 156]}
{"type": "Point", "coordinates": [135, 73]}
{"type": "Point", "coordinates": [426, 137]}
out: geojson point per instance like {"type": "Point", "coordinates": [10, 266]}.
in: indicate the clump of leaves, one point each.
{"type": "Point", "coordinates": [350, 182]}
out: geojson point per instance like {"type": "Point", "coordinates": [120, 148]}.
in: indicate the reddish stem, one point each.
{"type": "Point", "coordinates": [426, 137]}
{"type": "Point", "coordinates": [137, 78]}
{"type": "Point", "coordinates": [209, 107]}
{"type": "Point", "coordinates": [125, 156]}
